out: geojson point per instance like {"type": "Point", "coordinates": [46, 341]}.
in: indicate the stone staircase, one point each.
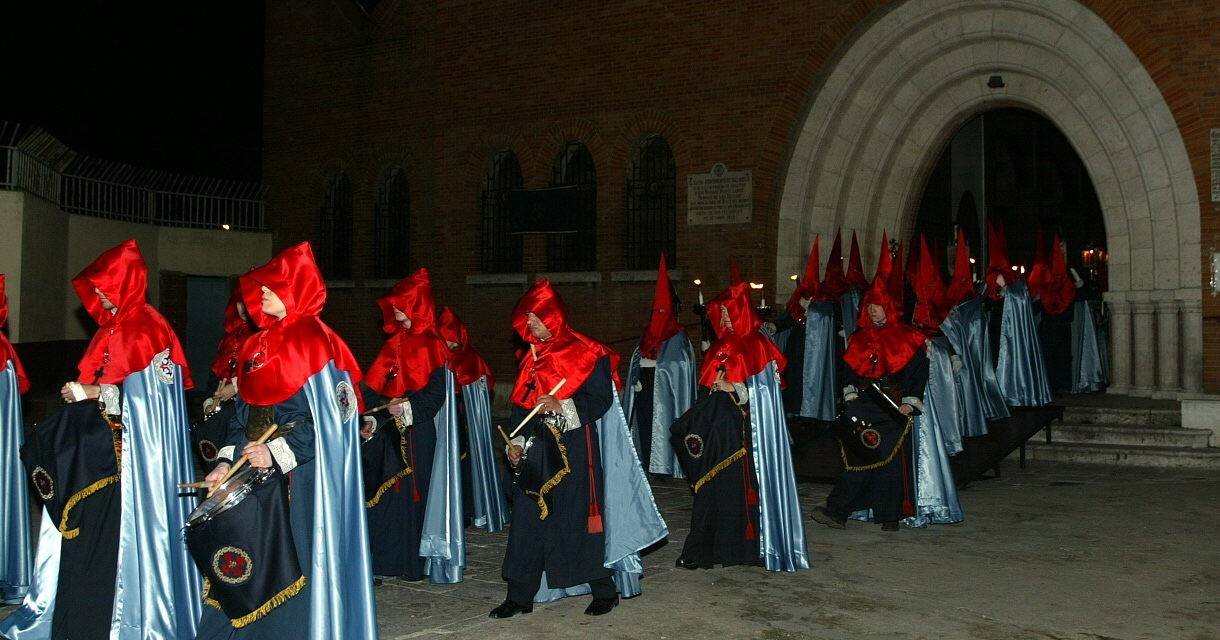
{"type": "Point", "coordinates": [1125, 436]}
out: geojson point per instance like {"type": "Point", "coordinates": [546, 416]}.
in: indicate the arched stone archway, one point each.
{"type": "Point", "coordinates": [897, 91]}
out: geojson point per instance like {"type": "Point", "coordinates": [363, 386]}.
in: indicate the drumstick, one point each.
{"type": "Point", "coordinates": [392, 403]}
{"type": "Point", "coordinates": [507, 440]}
{"type": "Point", "coordinates": [533, 412]}
{"type": "Point", "coordinates": [241, 461]}
{"type": "Point", "coordinates": [194, 485]}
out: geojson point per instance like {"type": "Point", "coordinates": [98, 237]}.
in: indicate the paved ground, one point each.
{"type": "Point", "coordinates": [1051, 552]}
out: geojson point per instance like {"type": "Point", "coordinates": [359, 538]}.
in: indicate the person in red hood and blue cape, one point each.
{"type": "Point", "coordinates": [414, 503]}
{"type": "Point", "coordinates": [734, 446]}
{"type": "Point", "coordinates": [810, 345]}
{"type": "Point", "coordinates": [483, 498]}
{"type": "Point", "coordinates": [874, 425]}
{"type": "Point", "coordinates": [16, 564]}
{"type": "Point", "coordinates": [218, 408]}
{"type": "Point", "coordinates": [571, 534]}
{"type": "Point", "coordinates": [298, 374]}
{"type": "Point", "coordinates": [1020, 368]}
{"type": "Point", "coordinates": [660, 381]}
{"type": "Point", "coordinates": [111, 561]}
{"type": "Point", "coordinates": [1054, 291]}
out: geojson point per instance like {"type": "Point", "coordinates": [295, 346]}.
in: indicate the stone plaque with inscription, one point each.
{"type": "Point", "coordinates": [719, 197]}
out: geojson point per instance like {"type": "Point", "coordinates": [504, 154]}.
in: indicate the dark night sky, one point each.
{"type": "Point", "coordinates": [168, 85]}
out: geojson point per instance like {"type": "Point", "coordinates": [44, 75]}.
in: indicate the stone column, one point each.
{"type": "Point", "coordinates": [1143, 349]}
{"type": "Point", "coordinates": [1120, 347]}
{"type": "Point", "coordinates": [1192, 346]}
{"type": "Point", "coordinates": [1167, 363]}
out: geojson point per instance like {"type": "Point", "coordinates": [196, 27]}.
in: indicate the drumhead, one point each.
{"type": "Point", "coordinates": [229, 494]}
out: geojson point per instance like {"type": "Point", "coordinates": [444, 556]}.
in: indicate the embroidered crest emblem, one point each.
{"type": "Point", "coordinates": [232, 565]}
{"type": "Point", "coordinates": [43, 483]}
{"type": "Point", "coordinates": [208, 450]}
{"type": "Point", "coordinates": [164, 367]}
{"type": "Point", "coordinates": [694, 445]}
{"type": "Point", "coordinates": [870, 437]}
{"type": "Point", "coordinates": [345, 397]}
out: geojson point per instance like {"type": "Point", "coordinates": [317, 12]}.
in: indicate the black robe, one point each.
{"type": "Point", "coordinates": [1055, 336]}
{"type": "Point", "coordinates": [396, 521]}
{"type": "Point", "coordinates": [561, 545]}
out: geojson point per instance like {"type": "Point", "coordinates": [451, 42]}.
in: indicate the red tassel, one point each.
{"type": "Point", "coordinates": [908, 508]}
{"type": "Point", "coordinates": [595, 515]}
{"type": "Point", "coordinates": [750, 533]}
{"type": "Point", "coordinates": [397, 486]}
{"type": "Point", "coordinates": [414, 492]}
{"type": "Point", "coordinates": [595, 522]}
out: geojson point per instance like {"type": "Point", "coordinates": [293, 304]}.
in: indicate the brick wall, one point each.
{"type": "Point", "coordinates": [438, 88]}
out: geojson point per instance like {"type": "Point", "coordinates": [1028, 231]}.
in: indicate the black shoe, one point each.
{"type": "Point", "coordinates": [601, 606]}
{"type": "Point", "coordinates": [407, 578]}
{"type": "Point", "coordinates": [683, 563]}
{"type": "Point", "coordinates": [377, 581]}
{"type": "Point", "coordinates": [820, 514]}
{"type": "Point", "coordinates": [889, 526]}
{"type": "Point", "coordinates": [508, 609]}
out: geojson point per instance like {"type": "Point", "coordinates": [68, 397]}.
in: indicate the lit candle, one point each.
{"type": "Point", "coordinates": [699, 283]}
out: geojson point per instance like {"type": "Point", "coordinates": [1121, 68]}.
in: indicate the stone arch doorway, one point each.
{"type": "Point", "coordinates": [909, 79]}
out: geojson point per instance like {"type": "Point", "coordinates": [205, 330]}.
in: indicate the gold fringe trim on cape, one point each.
{"type": "Point", "coordinates": [385, 486]}
{"type": "Point", "coordinates": [877, 465]}
{"type": "Point", "coordinates": [76, 498]}
{"type": "Point", "coordinates": [540, 496]}
{"type": "Point", "coordinates": [275, 601]}
{"type": "Point", "coordinates": [724, 464]}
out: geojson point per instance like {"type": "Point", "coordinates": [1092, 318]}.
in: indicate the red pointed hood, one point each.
{"type": "Point", "coordinates": [277, 361]}
{"type": "Point", "coordinates": [128, 338]}
{"type": "Point", "coordinates": [408, 358]}
{"type": "Point", "coordinates": [929, 287]}
{"type": "Point", "coordinates": [465, 363]}
{"type": "Point", "coordinates": [7, 353]}
{"type": "Point", "coordinates": [835, 284]}
{"type": "Point", "coordinates": [809, 287]}
{"type": "Point", "coordinates": [237, 329]}
{"type": "Point", "coordinates": [1055, 287]}
{"type": "Point", "coordinates": [997, 261]}
{"type": "Point", "coordinates": [740, 349]}
{"type": "Point", "coordinates": [961, 287]}
{"type": "Point", "coordinates": [566, 354]}
{"type": "Point", "coordinates": [663, 324]}
{"type": "Point", "coordinates": [855, 268]}
{"type": "Point", "coordinates": [874, 351]}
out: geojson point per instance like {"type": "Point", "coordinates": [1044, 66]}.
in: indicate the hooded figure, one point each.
{"type": "Point", "coordinates": [660, 381]}
{"type": "Point", "coordinates": [218, 407]}
{"type": "Point", "coordinates": [1054, 291]}
{"type": "Point", "coordinates": [483, 497]}
{"type": "Point", "coordinates": [413, 449]}
{"type": "Point", "coordinates": [298, 375]}
{"type": "Point", "coordinates": [570, 536]}
{"type": "Point", "coordinates": [749, 437]}
{"type": "Point", "coordinates": [809, 318]}
{"type": "Point", "coordinates": [111, 558]}
{"type": "Point", "coordinates": [857, 284]}
{"type": "Point", "coordinates": [1020, 368]}
{"type": "Point", "coordinates": [885, 372]}
{"type": "Point", "coordinates": [16, 568]}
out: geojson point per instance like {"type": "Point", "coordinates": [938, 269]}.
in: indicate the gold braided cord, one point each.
{"type": "Point", "coordinates": [402, 440]}
{"type": "Point", "coordinates": [76, 498]}
{"type": "Point", "coordinates": [544, 511]}
{"type": "Point", "coordinates": [385, 486]}
{"type": "Point", "coordinates": [275, 601]}
{"type": "Point", "coordinates": [877, 465]}
{"type": "Point", "coordinates": [724, 464]}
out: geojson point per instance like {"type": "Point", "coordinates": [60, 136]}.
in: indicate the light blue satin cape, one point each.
{"type": "Point", "coordinates": [936, 499]}
{"type": "Point", "coordinates": [818, 375]}
{"type": "Point", "coordinates": [443, 543]}
{"type": "Point", "coordinates": [963, 328]}
{"type": "Point", "coordinates": [340, 574]}
{"type": "Point", "coordinates": [781, 536]}
{"type": "Point", "coordinates": [673, 392]}
{"type": "Point", "coordinates": [1088, 374]}
{"type": "Point", "coordinates": [16, 556]}
{"type": "Point", "coordinates": [631, 519]}
{"type": "Point", "coordinates": [1021, 370]}
{"type": "Point", "coordinates": [490, 505]}
{"type": "Point", "coordinates": [849, 305]}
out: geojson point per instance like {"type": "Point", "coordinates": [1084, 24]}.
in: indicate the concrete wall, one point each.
{"type": "Point", "coordinates": [42, 248]}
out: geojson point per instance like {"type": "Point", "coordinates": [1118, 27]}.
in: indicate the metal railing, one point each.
{"type": "Point", "coordinates": [33, 161]}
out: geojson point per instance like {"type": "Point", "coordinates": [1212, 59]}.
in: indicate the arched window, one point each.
{"type": "Point", "coordinates": [501, 250]}
{"type": "Point", "coordinates": [575, 251]}
{"type": "Point", "coordinates": [335, 230]}
{"type": "Point", "coordinates": [391, 224]}
{"type": "Point", "coordinates": [652, 205]}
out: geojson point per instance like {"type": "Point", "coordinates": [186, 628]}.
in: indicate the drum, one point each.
{"type": "Point", "coordinates": [544, 461]}
{"type": "Point", "coordinates": [241, 541]}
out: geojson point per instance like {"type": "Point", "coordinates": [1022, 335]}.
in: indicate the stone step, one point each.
{"type": "Point", "coordinates": [1133, 417]}
{"type": "Point", "coordinates": [1122, 455]}
{"type": "Point", "coordinates": [1138, 436]}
